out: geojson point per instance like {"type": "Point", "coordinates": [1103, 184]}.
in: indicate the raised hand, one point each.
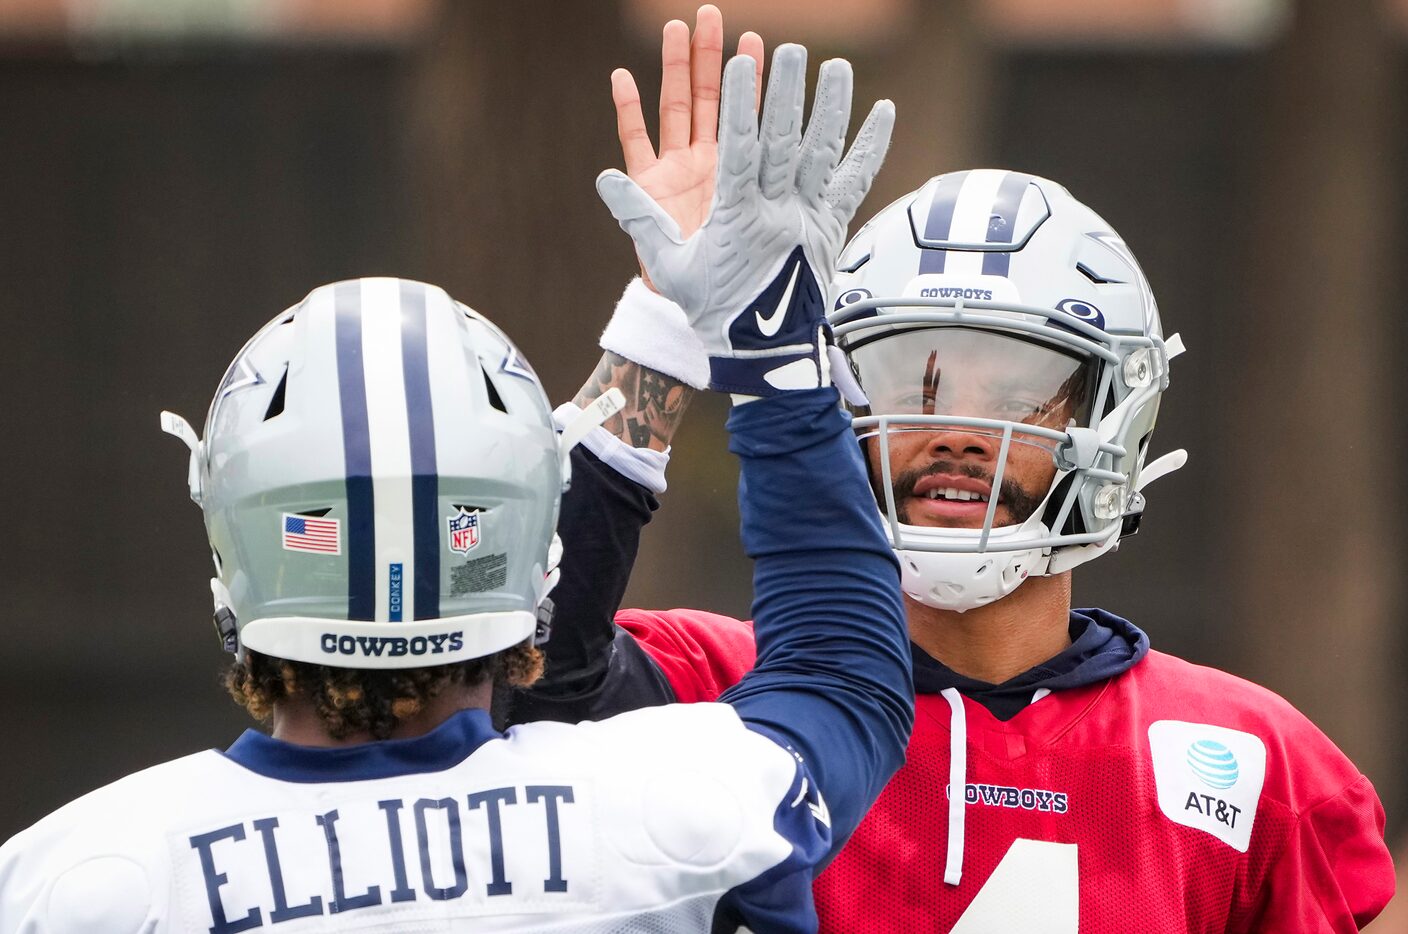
{"type": "Point", "coordinates": [681, 176]}
{"type": "Point", "coordinates": [753, 279]}
{"type": "Point", "coordinates": [652, 356]}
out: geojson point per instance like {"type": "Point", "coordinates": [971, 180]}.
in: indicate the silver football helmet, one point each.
{"type": "Point", "coordinates": [992, 319]}
{"type": "Point", "coordinates": [380, 478]}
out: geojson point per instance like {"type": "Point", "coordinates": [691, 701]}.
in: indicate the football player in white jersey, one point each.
{"type": "Point", "coordinates": [380, 478]}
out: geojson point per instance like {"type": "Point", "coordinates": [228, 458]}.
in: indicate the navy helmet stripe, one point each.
{"type": "Point", "coordinates": [1004, 220]}
{"type": "Point", "coordinates": [425, 479]}
{"type": "Point", "coordinates": [357, 454]}
{"type": "Point", "coordinates": [1006, 204]}
{"type": "Point", "coordinates": [942, 207]}
{"type": "Point", "coordinates": [940, 221]}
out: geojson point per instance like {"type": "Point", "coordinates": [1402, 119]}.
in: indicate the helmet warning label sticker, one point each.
{"type": "Point", "coordinates": [1208, 777]}
{"type": "Point", "coordinates": [487, 573]}
{"type": "Point", "coordinates": [313, 534]}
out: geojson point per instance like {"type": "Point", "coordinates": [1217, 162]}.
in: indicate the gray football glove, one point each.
{"type": "Point", "coordinates": [754, 279]}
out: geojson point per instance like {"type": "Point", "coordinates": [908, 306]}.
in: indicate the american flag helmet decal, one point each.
{"type": "Point", "coordinates": [308, 533]}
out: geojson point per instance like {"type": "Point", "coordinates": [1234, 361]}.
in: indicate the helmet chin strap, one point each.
{"type": "Point", "coordinates": [546, 607]}
{"type": "Point", "coordinates": [175, 425]}
{"type": "Point", "coordinates": [594, 415]}
{"type": "Point", "coordinates": [1161, 466]}
{"type": "Point", "coordinates": [226, 626]}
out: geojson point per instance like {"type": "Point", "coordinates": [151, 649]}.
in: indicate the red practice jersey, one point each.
{"type": "Point", "coordinates": [1169, 798]}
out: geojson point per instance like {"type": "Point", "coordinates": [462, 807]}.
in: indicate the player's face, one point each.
{"type": "Point", "coordinates": [943, 475]}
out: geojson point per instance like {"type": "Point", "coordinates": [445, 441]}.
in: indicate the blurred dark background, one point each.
{"type": "Point", "coordinates": [175, 172]}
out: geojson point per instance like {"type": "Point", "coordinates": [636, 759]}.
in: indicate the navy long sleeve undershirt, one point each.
{"type": "Point", "coordinates": [833, 669]}
{"type": "Point", "coordinates": [594, 668]}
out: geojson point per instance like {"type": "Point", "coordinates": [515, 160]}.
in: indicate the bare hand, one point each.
{"type": "Point", "coordinates": [681, 177]}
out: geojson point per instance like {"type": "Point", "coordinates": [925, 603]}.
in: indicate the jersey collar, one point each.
{"type": "Point", "coordinates": [447, 745]}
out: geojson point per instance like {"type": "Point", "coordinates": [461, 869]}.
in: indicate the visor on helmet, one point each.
{"type": "Point", "coordinates": [1000, 408]}
{"type": "Point", "coordinates": [971, 374]}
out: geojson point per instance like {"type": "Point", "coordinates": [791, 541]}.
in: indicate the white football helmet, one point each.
{"type": "Point", "coordinates": [380, 478]}
{"type": "Point", "coordinates": [992, 311]}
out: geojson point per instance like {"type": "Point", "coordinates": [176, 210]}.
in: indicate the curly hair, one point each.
{"type": "Point", "coordinates": [355, 700]}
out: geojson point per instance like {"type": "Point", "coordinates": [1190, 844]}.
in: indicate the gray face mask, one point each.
{"type": "Point", "coordinates": [950, 472]}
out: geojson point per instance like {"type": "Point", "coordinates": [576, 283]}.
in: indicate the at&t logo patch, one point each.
{"type": "Point", "coordinates": [464, 531]}
{"type": "Point", "coordinates": [1208, 777]}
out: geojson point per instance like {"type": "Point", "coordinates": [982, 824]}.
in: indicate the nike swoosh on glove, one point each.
{"type": "Point", "coordinates": [754, 280]}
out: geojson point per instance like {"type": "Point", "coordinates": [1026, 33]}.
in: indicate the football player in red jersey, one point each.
{"type": "Point", "coordinates": [1061, 775]}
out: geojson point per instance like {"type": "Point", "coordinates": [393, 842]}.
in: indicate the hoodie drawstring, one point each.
{"type": "Point", "coordinates": [957, 784]}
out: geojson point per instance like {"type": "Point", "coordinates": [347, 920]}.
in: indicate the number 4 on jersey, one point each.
{"type": "Point", "coordinates": [1035, 889]}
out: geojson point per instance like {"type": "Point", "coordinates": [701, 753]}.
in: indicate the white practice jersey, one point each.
{"type": "Point", "coordinates": [656, 821]}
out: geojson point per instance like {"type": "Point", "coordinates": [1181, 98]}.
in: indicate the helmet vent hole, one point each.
{"type": "Point", "coordinates": [1093, 276]}
{"type": "Point", "coordinates": [495, 399]}
{"type": "Point", "coordinates": [855, 264]}
{"type": "Point", "coordinates": [276, 404]}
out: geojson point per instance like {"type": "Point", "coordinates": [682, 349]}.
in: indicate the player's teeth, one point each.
{"type": "Point", "coordinates": [954, 494]}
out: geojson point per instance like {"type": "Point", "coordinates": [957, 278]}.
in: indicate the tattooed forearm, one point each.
{"type": "Point", "coordinates": [655, 403]}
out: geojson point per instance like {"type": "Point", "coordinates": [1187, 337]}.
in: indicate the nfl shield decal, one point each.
{"type": "Point", "coordinates": [464, 531]}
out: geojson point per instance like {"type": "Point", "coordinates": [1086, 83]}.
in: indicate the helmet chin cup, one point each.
{"type": "Point", "coordinates": [965, 580]}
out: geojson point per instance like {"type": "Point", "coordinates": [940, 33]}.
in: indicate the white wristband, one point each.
{"type": "Point", "coordinates": [642, 465]}
{"type": "Point", "coordinates": [650, 330]}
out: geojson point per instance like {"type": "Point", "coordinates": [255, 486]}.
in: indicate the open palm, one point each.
{"type": "Point", "coordinates": [681, 176]}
